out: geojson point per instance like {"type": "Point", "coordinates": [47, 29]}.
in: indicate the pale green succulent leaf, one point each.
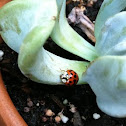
{"type": "Point", "coordinates": [112, 39]}
{"type": "Point", "coordinates": [107, 78]}
{"type": "Point", "coordinates": [64, 36]}
{"type": "Point", "coordinates": [32, 43]}
{"type": "Point", "coordinates": [42, 66]}
{"type": "Point", "coordinates": [19, 17]}
{"type": "Point", "coordinates": [25, 26]}
{"type": "Point", "coordinates": [108, 9]}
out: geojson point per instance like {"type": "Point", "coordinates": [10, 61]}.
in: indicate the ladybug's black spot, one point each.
{"type": "Point", "coordinates": [71, 73]}
{"type": "Point", "coordinates": [75, 76]}
{"type": "Point", "coordinates": [70, 81]}
{"type": "Point", "coordinates": [64, 78]}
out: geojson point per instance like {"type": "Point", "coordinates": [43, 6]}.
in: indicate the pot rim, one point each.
{"type": "Point", "coordinates": [9, 115]}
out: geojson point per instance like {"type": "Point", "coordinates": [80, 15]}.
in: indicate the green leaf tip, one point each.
{"type": "Point", "coordinates": [68, 39]}
{"type": "Point", "coordinates": [108, 9]}
{"type": "Point", "coordinates": [112, 39]}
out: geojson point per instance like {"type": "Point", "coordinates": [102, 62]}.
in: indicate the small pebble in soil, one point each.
{"type": "Point", "coordinates": [57, 119]}
{"type": "Point", "coordinates": [26, 109]}
{"type": "Point", "coordinates": [49, 112]}
{"type": "Point", "coordinates": [84, 118]}
{"type": "Point", "coordinates": [96, 116]}
{"type": "Point", "coordinates": [1, 55]}
{"type": "Point", "coordinates": [63, 117]}
{"type": "Point", "coordinates": [29, 102]}
{"type": "Point", "coordinates": [37, 104]}
{"type": "Point", "coordinates": [65, 101]}
{"type": "Point", "coordinates": [72, 108]}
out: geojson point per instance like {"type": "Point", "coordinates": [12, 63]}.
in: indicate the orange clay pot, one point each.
{"type": "Point", "coordinates": [2, 3]}
{"type": "Point", "coordinates": [9, 116]}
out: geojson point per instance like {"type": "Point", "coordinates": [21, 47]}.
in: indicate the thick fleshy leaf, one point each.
{"type": "Point", "coordinates": [112, 39]}
{"type": "Point", "coordinates": [108, 9]}
{"type": "Point", "coordinates": [25, 26]}
{"type": "Point", "coordinates": [64, 36]}
{"type": "Point", "coordinates": [107, 78]}
{"type": "Point", "coordinates": [19, 17]}
{"type": "Point", "coordinates": [42, 66]}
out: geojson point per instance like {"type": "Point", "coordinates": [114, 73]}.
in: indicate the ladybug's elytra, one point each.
{"type": "Point", "coordinates": [69, 78]}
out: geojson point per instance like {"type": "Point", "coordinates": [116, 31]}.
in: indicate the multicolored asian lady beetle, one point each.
{"type": "Point", "coordinates": [69, 78]}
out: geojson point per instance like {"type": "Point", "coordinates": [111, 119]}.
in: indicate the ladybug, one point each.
{"type": "Point", "coordinates": [69, 78]}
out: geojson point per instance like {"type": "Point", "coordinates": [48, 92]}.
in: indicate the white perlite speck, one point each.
{"type": "Point", "coordinates": [64, 118]}
{"type": "Point", "coordinates": [65, 101]}
{"type": "Point", "coordinates": [1, 54]}
{"type": "Point", "coordinates": [96, 116]}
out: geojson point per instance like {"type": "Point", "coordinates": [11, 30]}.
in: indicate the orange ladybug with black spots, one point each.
{"type": "Point", "coordinates": [69, 78]}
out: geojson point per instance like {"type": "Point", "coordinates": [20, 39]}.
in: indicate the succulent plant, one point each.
{"type": "Point", "coordinates": [25, 25]}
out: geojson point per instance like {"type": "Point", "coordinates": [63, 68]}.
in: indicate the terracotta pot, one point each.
{"type": "Point", "coordinates": [9, 116]}
{"type": "Point", "coordinates": [2, 2]}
